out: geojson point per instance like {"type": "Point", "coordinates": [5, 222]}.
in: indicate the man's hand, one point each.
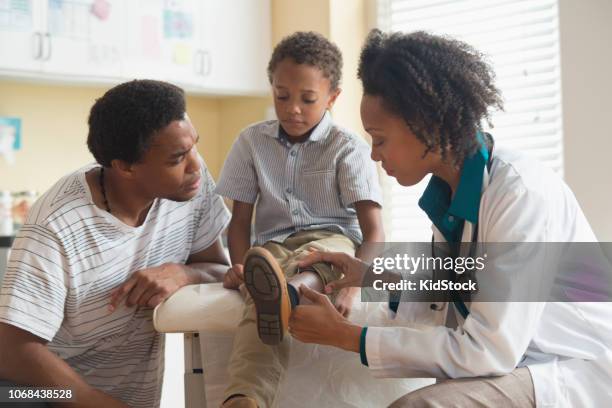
{"type": "Point", "coordinates": [234, 277]}
{"type": "Point", "coordinates": [151, 286]}
{"type": "Point", "coordinates": [345, 300]}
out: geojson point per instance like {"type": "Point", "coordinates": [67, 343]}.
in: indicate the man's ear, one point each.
{"type": "Point", "coordinates": [333, 95]}
{"type": "Point", "coordinates": [123, 168]}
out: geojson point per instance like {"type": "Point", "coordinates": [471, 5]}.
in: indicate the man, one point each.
{"type": "Point", "coordinates": [104, 246]}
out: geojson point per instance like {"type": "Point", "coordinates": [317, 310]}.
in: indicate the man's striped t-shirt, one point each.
{"type": "Point", "coordinates": [70, 255]}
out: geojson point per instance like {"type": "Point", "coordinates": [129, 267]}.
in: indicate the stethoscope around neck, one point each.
{"type": "Point", "coordinates": [457, 300]}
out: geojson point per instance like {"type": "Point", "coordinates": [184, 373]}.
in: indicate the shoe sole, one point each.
{"type": "Point", "coordinates": [265, 282]}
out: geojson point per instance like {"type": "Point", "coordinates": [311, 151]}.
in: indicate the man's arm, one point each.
{"type": "Point", "coordinates": [25, 359]}
{"type": "Point", "coordinates": [208, 265]}
{"type": "Point", "coordinates": [151, 286]}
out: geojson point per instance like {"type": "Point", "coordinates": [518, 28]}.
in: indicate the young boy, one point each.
{"type": "Point", "coordinates": [314, 187]}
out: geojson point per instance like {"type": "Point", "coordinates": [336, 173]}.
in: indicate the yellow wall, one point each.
{"type": "Point", "coordinates": [54, 131]}
{"type": "Point", "coordinates": [204, 114]}
{"type": "Point", "coordinates": [289, 16]}
{"type": "Point", "coordinates": [348, 31]}
{"type": "Point", "coordinates": [234, 115]}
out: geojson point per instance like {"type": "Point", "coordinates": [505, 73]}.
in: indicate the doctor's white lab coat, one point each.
{"type": "Point", "coordinates": [566, 346]}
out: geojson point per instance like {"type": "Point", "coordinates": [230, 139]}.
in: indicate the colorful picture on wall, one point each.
{"type": "Point", "coordinates": [10, 137]}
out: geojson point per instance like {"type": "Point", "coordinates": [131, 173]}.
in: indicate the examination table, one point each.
{"type": "Point", "coordinates": [318, 376]}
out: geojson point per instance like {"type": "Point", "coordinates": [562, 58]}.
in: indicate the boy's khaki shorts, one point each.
{"type": "Point", "coordinates": [296, 246]}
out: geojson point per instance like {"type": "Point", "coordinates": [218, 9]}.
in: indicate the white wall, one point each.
{"type": "Point", "coordinates": [586, 69]}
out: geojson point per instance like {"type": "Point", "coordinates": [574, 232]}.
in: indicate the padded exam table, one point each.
{"type": "Point", "coordinates": [208, 315]}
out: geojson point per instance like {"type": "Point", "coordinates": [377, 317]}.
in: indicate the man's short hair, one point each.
{"type": "Point", "coordinates": [123, 122]}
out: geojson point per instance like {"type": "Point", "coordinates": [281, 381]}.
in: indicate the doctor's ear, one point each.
{"type": "Point", "coordinates": [445, 155]}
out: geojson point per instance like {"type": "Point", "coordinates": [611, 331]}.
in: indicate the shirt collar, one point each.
{"type": "Point", "coordinates": [466, 202]}
{"type": "Point", "coordinates": [321, 131]}
{"type": "Point", "coordinates": [318, 133]}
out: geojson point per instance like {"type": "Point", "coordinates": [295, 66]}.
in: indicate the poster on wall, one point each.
{"type": "Point", "coordinates": [10, 137]}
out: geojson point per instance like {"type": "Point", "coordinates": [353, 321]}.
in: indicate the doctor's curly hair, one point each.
{"type": "Point", "coordinates": [443, 88]}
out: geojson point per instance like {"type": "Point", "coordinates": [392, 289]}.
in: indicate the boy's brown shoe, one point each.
{"type": "Point", "coordinates": [265, 281]}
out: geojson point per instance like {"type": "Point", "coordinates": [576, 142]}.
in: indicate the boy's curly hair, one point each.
{"type": "Point", "coordinates": [309, 48]}
{"type": "Point", "coordinates": [443, 88]}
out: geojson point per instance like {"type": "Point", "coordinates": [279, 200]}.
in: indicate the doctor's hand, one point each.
{"type": "Point", "coordinates": [353, 269]}
{"type": "Point", "coordinates": [345, 300]}
{"type": "Point", "coordinates": [151, 286]}
{"type": "Point", "coordinates": [234, 277]}
{"type": "Point", "coordinates": [321, 323]}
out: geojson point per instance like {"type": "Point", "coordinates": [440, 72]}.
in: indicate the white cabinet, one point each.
{"type": "Point", "coordinates": [240, 48]}
{"type": "Point", "coordinates": [162, 40]}
{"type": "Point", "coordinates": [84, 38]}
{"type": "Point", "coordinates": [65, 38]}
{"type": "Point", "coordinates": [206, 46]}
{"type": "Point", "coordinates": [21, 35]}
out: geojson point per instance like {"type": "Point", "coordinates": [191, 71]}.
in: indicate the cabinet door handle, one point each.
{"type": "Point", "coordinates": [37, 45]}
{"type": "Point", "coordinates": [198, 62]}
{"type": "Point", "coordinates": [47, 57]}
{"type": "Point", "coordinates": [207, 63]}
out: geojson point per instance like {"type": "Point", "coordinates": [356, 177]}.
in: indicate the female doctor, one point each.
{"type": "Point", "coordinates": [424, 101]}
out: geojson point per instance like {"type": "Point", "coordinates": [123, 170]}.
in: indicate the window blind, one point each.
{"type": "Point", "coordinates": [520, 38]}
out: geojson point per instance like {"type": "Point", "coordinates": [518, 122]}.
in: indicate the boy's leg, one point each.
{"type": "Point", "coordinates": [320, 240]}
{"type": "Point", "coordinates": [256, 369]}
{"type": "Point", "coordinates": [307, 277]}
{"type": "Point", "coordinates": [265, 270]}
{"type": "Point", "coordinates": [264, 279]}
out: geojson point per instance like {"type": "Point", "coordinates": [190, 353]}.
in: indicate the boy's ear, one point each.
{"type": "Point", "coordinates": [333, 95]}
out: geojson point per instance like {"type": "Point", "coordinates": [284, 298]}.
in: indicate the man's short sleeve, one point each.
{"type": "Point", "coordinates": [238, 180]}
{"type": "Point", "coordinates": [357, 175]}
{"type": "Point", "coordinates": [34, 288]}
{"type": "Point", "coordinates": [212, 216]}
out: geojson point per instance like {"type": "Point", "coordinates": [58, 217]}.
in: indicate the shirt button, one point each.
{"type": "Point", "coordinates": [295, 212]}
{"type": "Point", "coordinates": [293, 153]}
{"type": "Point", "coordinates": [288, 191]}
{"type": "Point", "coordinates": [451, 218]}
